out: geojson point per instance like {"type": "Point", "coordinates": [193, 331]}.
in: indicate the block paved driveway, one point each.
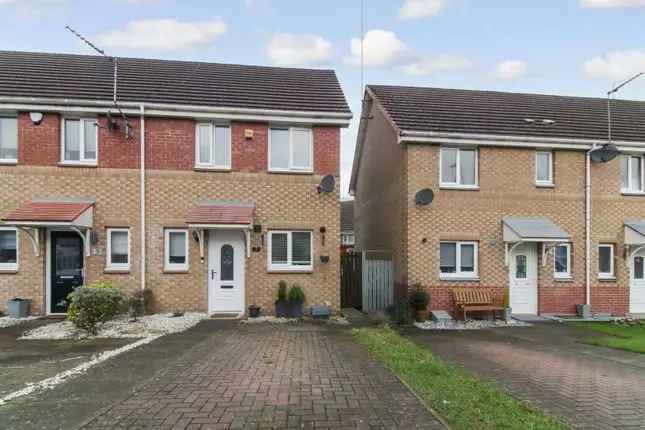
{"type": "Point", "coordinates": [273, 377]}
{"type": "Point", "coordinates": [589, 387]}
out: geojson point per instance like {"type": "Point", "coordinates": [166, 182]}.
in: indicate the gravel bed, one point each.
{"type": "Point", "coordinates": [10, 321]}
{"type": "Point", "coordinates": [122, 327]}
{"type": "Point", "coordinates": [469, 325]}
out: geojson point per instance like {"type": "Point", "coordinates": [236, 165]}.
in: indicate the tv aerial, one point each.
{"type": "Point", "coordinates": [111, 122]}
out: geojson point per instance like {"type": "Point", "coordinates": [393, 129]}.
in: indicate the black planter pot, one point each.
{"type": "Point", "coordinates": [254, 311]}
{"type": "Point", "coordinates": [282, 309]}
{"type": "Point", "coordinates": [295, 309]}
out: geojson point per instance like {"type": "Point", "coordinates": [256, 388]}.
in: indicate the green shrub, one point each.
{"type": "Point", "coordinates": [296, 295]}
{"type": "Point", "coordinates": [419, 299]}
{"type": "Point", "coordinates": [282, 291]}
{"type": "Point", "coordinates": [400, 312]}
{"type": "Point", "coordinates": [94, 304]}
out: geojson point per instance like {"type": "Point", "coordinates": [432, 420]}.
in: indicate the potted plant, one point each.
{"type": "Point", "coordinates": [507, 307]}
{"type": "Point", "coordinates": [282, 304]}
{"type": "Point", "coordinates": [254, 311]}
{"type": "Point", "coordinates": [419, 300]}
{"type": "Point", "coordinates": [296, 299]}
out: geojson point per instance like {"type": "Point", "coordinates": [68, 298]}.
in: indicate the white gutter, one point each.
{"type": "Point", "coordinates": [142, 190]}
{"type": "Point", "coordinates": [165, 109]}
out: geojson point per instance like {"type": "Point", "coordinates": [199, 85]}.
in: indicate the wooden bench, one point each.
{"type": "Point", "coordinates": [475, 299]}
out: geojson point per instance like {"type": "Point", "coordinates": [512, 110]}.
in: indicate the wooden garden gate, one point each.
{"type": "Point", "coordinates": [378, 280]}
{"type": "Point", "coordinates": [350, 280]}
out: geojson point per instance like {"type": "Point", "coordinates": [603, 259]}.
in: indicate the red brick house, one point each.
{"type": "Point", "coordinates": [520, 203]}
{"type": "Point", "coordinates": [202, 187]}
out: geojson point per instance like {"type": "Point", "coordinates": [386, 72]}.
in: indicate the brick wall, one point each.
{"type": "Point", "coordinates": [249, 155]}
{"type": "Point", "coordinates": [115, 151]}
{"type": "Point", "coordinates": [39, 145]}
{"type": "Point", "coordinates": [170, 144]}
{"type": "Point", "coordinates": [326, 153]}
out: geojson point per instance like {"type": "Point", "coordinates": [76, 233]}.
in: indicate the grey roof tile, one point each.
{"type": "Point", "coordinates": [29, 74]}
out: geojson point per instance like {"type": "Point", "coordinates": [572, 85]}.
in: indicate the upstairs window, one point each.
{"type": "Point", "coordinates": [458, 167]}
{"type": "Point", "coordinates": [118, 249]}
{"type": "Point", "coordinates": [562, 261]}
{"type": "Point", "coordinates": [606, 261]}
{"type": "Point", "coordinates": [80, 141]}
{"type": "Point", "coordinates": [631, 174]}
{"type": "Point", "coordinates": [213, 147]}
{"type": "Point", "coordinates": [291, 150]}
{"type": "Point", "coordinates": [543, 168]}
{"type": "Point", "coordinates": [290, 251]}
{"type": "Point", "coordinates": [8, 249]}
{"type": "Point", "coordinates": [458, 259]}
{"type": "Point", "coordinates": [8, 140]}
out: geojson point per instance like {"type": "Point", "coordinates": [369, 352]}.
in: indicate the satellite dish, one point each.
{"type": "Point", "coordinates": [605, 153]}
{"type": "Point", "coordinates": [327, 184]}
{"type": "Point", "coordinates": [424, 197]}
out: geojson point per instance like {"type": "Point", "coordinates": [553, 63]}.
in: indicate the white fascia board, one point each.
{"type": "Point", "coordinates": [408, 136]}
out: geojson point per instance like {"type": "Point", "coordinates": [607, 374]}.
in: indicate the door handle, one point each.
{"type": "Point", "coordinates": [213, 274]}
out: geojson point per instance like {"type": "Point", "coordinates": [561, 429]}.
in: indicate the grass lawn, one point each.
{"type": "Point", "coordinates": [462, 399]}
{"type": "Point", "coordinates": [630, 338]}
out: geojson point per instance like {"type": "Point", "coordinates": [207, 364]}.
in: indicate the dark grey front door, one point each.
{"type": "Point", "coordinates": [66, 268]}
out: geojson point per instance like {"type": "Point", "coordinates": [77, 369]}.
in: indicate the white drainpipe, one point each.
{"type": "Point", "coordinates": [142, 203]}
{"type": "Point", "coordinates": [588, 226]}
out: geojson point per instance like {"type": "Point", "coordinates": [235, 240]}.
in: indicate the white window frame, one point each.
{"type": "Point", "coordinates": [10, 160]}
{"type": "Point", "coordinates": [549, 182]}
{"type": "Point", "coordinates": [289, 267]}
{"type": "Point", "coordinates": [12, 267]}
{"type": "Point", "coordinates": [458, 184]}
{"type": "Point", "coordinates": [629, 190]}
{"type": "Point", "coordinates": [211, 164]}
{"type": "Point", "coordinates": [347, 239]}
{"type": "Point", "coordinates": [109, 265]}
{"type": "Point", "coordinates": [458, 275]}
{"type": "Point", "coordinates": [611, 274]}
{"type": "Point", "coordinates": [567, 274]}
{"type": "Point", "coordinates": [82, 161]}
{"type": "Point", "coordinates": [174, 267]}
{"type": "Point", "coordinates": [292, 167]}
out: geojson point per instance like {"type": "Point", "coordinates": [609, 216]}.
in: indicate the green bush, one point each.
{"type": "Point", "coordinates": [419, 299]}
{"type": "Point", "coordinates": [296, 295]}
{"type": "Point", "coordinates": [400, 312]}
{"type": "Point", "coordinates": [282, 291]}
{"type": "Point", "coordinates": [94, 304]}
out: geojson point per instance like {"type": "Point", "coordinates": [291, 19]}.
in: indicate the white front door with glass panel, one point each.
{"type": "Point", "coordinates": [523, 297]}
{"type": "Point", "coordinates": [637, 284]}
{"type": "Point", "coordinates": [226, 272]}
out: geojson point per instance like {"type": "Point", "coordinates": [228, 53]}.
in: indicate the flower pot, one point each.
{"type": "Point", "coordinates": [422, 315]}
{"type": "Point", "coordinates": [295, 309]}
{"type": "Point", "coordinates": [282, 309]}
{"type": "Point", "coordinates": [18, 308]}
{"type": "Point", "coordinates": [254, 311]}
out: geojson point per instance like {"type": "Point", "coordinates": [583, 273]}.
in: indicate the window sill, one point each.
{"type": "Point", "coordinates": [116, 271]}
{"type": "Point", "coordinates": [8, 162]}
{"type": "Point", "coordinates": [211, 169]}
{"type": "Point", "coordinates": [73, 164]}
{"type": "Point", "coordinates": [176, 271]}
{"type": "Point", "coordinates": [8, 271]}
{"type": "Point", "coordinates": [563, 279]}
{"type": "Point", "coordinates": [607, 279]}
{"type": "Point", "coordinates": [292, 271]}
{"type": "Point", "coordinates": [291, 172]}
{"type": "Point", "coordinates": [459, 187]}
{"type": "Point", "coordinates": [459, 278]}
{"type": "Point", "coordinates": [632, 193]}
{"type": "Point", "coordinates": [544, 185]}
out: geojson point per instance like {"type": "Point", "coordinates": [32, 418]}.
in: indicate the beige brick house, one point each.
{"type": "Point", "coordinates": [508, 173]}
{"type": "Point", "coordinates": [202, 186]}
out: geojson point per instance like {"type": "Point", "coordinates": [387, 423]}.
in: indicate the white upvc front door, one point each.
{"type": "Point", "coordinates": [637, 283]}
{"type": "Point", "coordinates": [523, 295]}
{"type": "Point", "coordinates": [226, 262]}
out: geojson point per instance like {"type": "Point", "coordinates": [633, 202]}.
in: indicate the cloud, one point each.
{"type": "Point", "coordinates": [288, 49]}
{"type": "Point", "coordinates": [440, 63]}
{"type": "Point", "coordinates": [164, 34]}
{"type": "Point", "coordinates": [414, 9]}
{"type": "Point", "coordinates": [616, 65]}
{"type": "Point", "coordinates": [608, 4]}
{"type": "Point", "coordinates": [381, 48]}
{"type": "Point", "coordinates": [510, 69]}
